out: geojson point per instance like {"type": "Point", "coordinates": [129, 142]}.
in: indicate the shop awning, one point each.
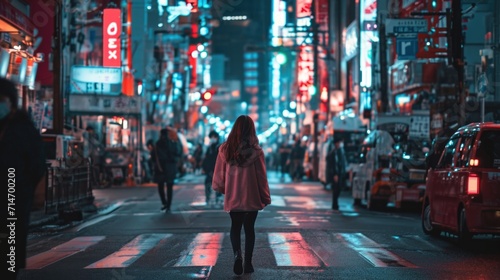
{"type": "Point", "coordinates": [12, 20]}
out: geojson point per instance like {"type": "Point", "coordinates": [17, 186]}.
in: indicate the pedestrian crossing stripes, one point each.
{"type": "Point", "coordinates": [372, 251]}
{"type": "Point", "coordinates": [203, 251]}
{"type": "Point", "coordinates": [289, 249]}
{"type": "Point", "coordinates": [130, 252]}
{"type": "Point", "coordinates": [62, 251]}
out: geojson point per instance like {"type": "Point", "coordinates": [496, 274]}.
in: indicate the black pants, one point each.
{"type": "Point", "coordinates": [336, 188]}
{"type": "Point", "coordinates": [246, 219]}
{"type": "Point", "coordinates": [161, 191]}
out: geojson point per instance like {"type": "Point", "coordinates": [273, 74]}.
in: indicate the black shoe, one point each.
{"type": "Point", "coordinates": [163, 207]}
{"type": "Point", "coordinates": [238, 264]}
{"type": "Point", "coordinates": [248, 268]}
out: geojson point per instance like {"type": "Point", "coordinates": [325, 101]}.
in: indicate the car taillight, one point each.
{"type": "Point", "coordinates": [473, 184]}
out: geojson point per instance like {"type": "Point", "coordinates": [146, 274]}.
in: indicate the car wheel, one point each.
{"type": "Point", "coordinates": [427, 225]}
{"type": "Point", "coordinates": [464, 236]}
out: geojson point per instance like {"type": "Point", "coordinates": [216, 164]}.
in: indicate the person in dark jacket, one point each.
{"type": "Point", "coordinates": [297, 156]}
{"type": "Point", "coordinates": [167, 155]}
{"type": "Point", "coordinates": [197, 158]}
{"type": "Point", "coordinates": [149, 165]}
{"type": "Point", "coordinates": [208, 166]}
{"type": "Point", "coordinates": [284, 151]}
{"type": "Point", "coordinates": [336, 164]}
{"type": "Point", "coordinates": [23, 166]}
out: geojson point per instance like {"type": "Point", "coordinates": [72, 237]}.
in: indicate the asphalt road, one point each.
{"type": "Point", "coordinates": [297, 237]}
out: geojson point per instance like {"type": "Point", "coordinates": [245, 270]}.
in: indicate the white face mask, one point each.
{"type": "Point", "coordinates": [4, 109]}
{"type": "Point", "coordinates": [213, 140]}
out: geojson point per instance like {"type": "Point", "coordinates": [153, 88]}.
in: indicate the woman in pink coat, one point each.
{"type": "Point", "coordinates": [240, 174]}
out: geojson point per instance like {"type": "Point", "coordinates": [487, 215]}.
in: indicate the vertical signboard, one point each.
{"type": "Point", "coordinates": [111, 31]}
{"type": "Point", "coordinates": [368, 35]}
{"type": "Point", "coordinates": [305, 70]}
{"type": "Point", "coordinates": [42, 14]}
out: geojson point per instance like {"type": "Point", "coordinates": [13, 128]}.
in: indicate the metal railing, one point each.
{"type": "Point", "coordinates": [67, 187]}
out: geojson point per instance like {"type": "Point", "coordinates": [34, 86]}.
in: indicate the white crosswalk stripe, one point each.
{"type": "Point", "coordinates": [372, 251]}
{"type": "Point", "coordinates": [203, 251]}
{"type": "Point", "coordinates": [62, 251]}
{"type": "Point", "coordinates": [132, 251]}
{"type": "Point", "coordinates": [289, 249]}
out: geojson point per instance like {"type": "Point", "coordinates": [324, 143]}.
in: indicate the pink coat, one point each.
{"type": "Point", "coordinates": [245, 186]}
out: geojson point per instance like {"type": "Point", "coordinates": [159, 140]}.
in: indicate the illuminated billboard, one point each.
{"type": "Point", "coordinates": [111, 31]}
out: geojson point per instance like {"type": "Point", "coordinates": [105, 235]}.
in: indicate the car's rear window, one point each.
{"type": "Point", "coordinates": [488, 151]}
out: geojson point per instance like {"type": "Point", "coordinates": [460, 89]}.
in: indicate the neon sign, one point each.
{"type": "Point", "coordinates": [111, 30]}
{"type": "Point", "coordinates": [305, 70]}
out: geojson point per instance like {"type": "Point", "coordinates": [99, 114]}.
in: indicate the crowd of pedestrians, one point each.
{"type": "Point", "coordinates": [291, 159]}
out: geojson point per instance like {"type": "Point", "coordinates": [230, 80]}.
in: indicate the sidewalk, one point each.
{"type": "Point", "coordinates": [109, 199]}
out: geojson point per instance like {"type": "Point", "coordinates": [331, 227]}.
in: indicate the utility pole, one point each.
{"type": "Point", "coordinates": [457, 55]}
{"type": "Point", "coordinates": [384, 90]}
{"type": "Point", "coordinates": [314, 102]}
{"type": "Point", "coordinates": [58, 106]}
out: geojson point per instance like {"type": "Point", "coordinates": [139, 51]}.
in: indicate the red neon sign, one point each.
{"type": "Point", "coordinates": [305, 70]}
{"type": "Point", "coordinates": [111, 31]}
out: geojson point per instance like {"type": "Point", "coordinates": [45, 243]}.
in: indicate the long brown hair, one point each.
{"type": "Point", "coordinates": [242, 137]}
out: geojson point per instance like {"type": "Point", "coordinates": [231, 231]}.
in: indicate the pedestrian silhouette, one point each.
{"type": "Point", "coordinates": [168, 153]}
{"type": "Point", "coordinates": [149, 165]}
{"type": "Point", "coordinates": [336, 163]}
{"type": "Point", "coordinates": [284, 151]}
{"type": "Point", "coordinates": [297, 156]}
{"type": "Point", "coordinates": [209, 166]}
{"type": "Point", "coordinates": [240, 174]}
{"type": "Point", "coordinates": [22, 162]}
{"type": "Point", "coordinates": [197, 158]}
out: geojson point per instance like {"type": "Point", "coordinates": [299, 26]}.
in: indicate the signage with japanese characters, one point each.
{"type": "Point", "coordinates": [98, 80]}
{"type": "Point", "coordinates": [106, 105]}
{"type": "Point", "coordinates": [419, 126]}
{"type": "Point", "coordinates": [351, 41]}
{"type": "Point", "coordinates": [305, 70]}
{"type": "Point", "coordinates": [405, 26]}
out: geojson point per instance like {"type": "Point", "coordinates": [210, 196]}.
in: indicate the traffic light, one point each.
{"type": "Point", "coordinates": [206, 95]}
{"type": "Point", "coordinates": [281, 58]}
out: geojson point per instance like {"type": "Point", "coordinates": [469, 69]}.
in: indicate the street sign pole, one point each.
{"type": "Point", "coordinates": [314, 99]}
{"type": "Point", "coordinates": [458, 55]}
{"type": "Point", "coordinates": [384, 75]}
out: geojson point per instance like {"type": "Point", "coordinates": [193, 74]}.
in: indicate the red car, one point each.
{"type": "Point", "coordinates": [463, 191]}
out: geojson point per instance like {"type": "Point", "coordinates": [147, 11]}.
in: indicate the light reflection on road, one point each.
{"type": "Point", "coordinates": [203, 250]}
{"type": "Point", "coordinates": [130, 252]}
{"type": "Point", "coordinates": [290, 249]}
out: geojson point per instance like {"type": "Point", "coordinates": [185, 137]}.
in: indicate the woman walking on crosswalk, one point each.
{"type": "Point", "coordinates": [240, 174]}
